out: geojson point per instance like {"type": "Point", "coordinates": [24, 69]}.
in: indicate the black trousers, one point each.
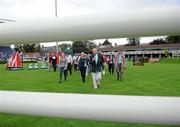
{"type": "Point", "coordinates": [54, 66]}
{"type": "Point", "coordinates": [69, 68]}
{"type": "Point", "coordinates": [111, 68]}
{"type": "Point", "coordinates": [62, 71]}
{"type": "Point", "coordinates": [75, 67]}
{"type": "Point", "coordinates": [83, 73]}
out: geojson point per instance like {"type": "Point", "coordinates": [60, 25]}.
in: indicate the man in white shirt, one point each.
{"type": "Point", "coordinates": [69, 61]}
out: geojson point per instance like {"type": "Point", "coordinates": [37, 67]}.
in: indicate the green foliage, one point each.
{"type": "Point", "coordinates": [133, 41]}
{"type": "Point", "coordinates": [64, 46]}
{"type": "Point", "coordinates": [3, 62]}
{"type": "Point", "coordinates": [89, 45]}
{"type": "Point", "coordinates": [173, 39]}
{"type": "Point", "coordinates": [158, 41]}
{"type": "Point", "coordinates": [83, 46]}
{"type": "Point", "coordinates": [32, 47]}
{"type": "Point", "coordinates": [158, 79]}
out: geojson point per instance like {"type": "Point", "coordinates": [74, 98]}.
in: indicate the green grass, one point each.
{"type": "Point", "coordinates": [170, 60]}
{"type": "Point", "coordinates": [158, 79]}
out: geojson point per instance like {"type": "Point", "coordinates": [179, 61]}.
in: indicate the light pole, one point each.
{"type": "Point", "coordinates": [56, 17]}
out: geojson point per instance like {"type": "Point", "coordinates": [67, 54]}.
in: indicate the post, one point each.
{"type": "Point", "coordinates": [56, 8]}
{"type": "Point", "coordinates": [56, 14]}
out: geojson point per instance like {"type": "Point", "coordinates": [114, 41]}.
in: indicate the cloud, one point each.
{"type": "Point", "coordinates": [26, 9]}
{"type": "Point", "coordinates": [36, 9]}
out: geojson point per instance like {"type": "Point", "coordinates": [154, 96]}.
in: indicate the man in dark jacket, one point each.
{"type": "Point", "coordinates": [96, 61]}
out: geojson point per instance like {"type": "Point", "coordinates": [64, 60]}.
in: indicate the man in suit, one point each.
{"type": "Point", "coordinates": [96, 61]}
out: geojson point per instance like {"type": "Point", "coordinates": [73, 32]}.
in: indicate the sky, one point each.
{"type": "Point", "coordinates": [19, 10]}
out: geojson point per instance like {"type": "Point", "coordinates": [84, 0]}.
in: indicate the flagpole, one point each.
{"type": "Point", "coordinates": [56, 17]}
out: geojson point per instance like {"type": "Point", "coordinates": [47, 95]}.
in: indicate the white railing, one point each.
{"type": "Point", "coordinates": [147, 22]}
{"type": "Point", "coordinates": [135, 109]}
{"type": "Point", "coordinates": [135, 23]}
{"type": "Point", "coordinates": [151, 52]}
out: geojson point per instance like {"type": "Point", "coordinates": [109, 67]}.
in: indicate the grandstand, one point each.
{"type": "Point", "coordinates": [5, 53]}
{"type": "Point", "coordinates": [146, 50]}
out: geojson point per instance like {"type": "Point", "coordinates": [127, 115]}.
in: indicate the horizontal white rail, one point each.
{"type": "Point", "coordinates": [138, 22]}
{"type": "Point", "coordinates": [135, 109]}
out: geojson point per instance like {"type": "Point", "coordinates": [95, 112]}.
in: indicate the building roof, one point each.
{"type": "Point", "coordinates": [141, 47]}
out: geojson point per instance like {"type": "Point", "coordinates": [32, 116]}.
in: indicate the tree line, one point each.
{"type": "Point", "coordinates": [87, 46]}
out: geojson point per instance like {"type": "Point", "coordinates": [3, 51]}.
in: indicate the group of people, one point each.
{"type": "Point", "coordinates": [94, 64]}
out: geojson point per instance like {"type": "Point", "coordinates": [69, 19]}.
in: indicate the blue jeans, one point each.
{"type": "Point", "coordinates": [62, 71]}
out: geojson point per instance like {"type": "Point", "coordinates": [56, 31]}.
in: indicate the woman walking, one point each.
{"type": "Point", "coordinates": [83, 63]}
{"type": "Point", "coordinates": [63, 67]}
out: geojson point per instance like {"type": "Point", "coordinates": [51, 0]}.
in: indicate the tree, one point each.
{"type": "Point", "coordinates": [133, 41]}
{"type": "Point", "coordinates": [64, 46]}
{"type": "Point", "coordinates": [28, 47]}
{"type": "Point", "coordinates": [79, 47]}
{"type": "Point", "coordinates": [89, 45]}
{"type": "Point", "coordinates": [18, 47]}
{"type": "Point", "coordinates": [106, 42]}
{"type": "Point", "coordinates": [173, 39]}
{"type": "Point", "coordinates": [158, 41]}
{"type": "Point", "coordinates": [83, 46]}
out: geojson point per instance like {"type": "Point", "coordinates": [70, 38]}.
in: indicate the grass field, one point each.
{"type": "Point", "coordinates": [159, 79]}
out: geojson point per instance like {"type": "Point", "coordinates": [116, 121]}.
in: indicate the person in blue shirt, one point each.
{"type": "Point", "coordinates": [82, 66]}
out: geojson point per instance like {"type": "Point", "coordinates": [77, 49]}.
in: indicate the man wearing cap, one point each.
{"type": "Point", "coordinates": [96, 61]}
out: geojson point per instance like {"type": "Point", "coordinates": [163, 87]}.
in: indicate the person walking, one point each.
{"type": "Point", "coordinates": [111, 63]}
{"type": "Point", "coordinates": [120, 64]}
{"type": "Point", "coordinates": [96, 61]}
{"type": "Point", "coordinates": [54, 58]}
{"type": "Point", "coordinates": [63, 67]}
{"type": "Point", "coordinates": [83, 64]}
{"type": "Point", "coordinates": [75, 62]}
{"type": "Point", "coordinates": [69, 61]}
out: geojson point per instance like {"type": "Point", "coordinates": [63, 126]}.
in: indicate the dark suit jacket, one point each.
{"type": "Point", "coordinates": [82, 63]}
{"type": "Point", "coordinates": [96, 67]}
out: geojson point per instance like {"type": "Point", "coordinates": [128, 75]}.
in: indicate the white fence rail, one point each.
{"type": "Point", "coordinates": [140, 22]}
{"type": "Point", "coordinates": [135, 109]}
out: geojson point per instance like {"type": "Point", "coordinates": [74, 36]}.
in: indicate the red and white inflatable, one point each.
{"type": "Point", "coordinates": [15, 61]}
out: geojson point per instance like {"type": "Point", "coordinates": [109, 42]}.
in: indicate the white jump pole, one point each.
{"type": "Point", "coordinates": [134, 109]}
{"type": "Point", "coordinates": [146, 22]}
{"type": "Point", "coordinates": [141, 22]}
